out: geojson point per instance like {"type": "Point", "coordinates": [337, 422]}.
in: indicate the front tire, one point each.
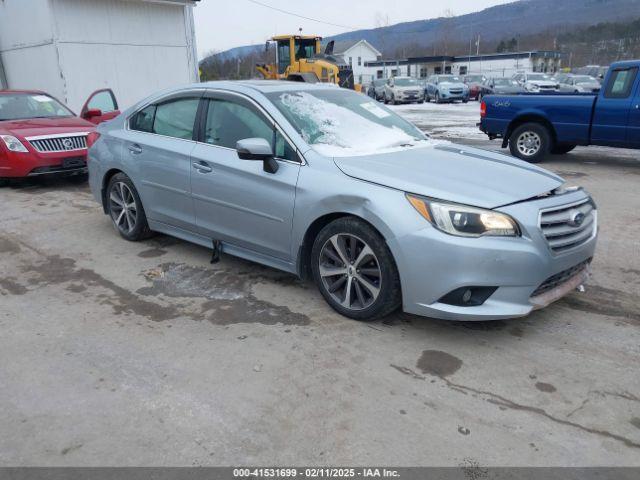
{"type": "Point", "coordinates": [354, 270]}
{"type": "Point", "coordinates": [438, 97]}
{"type": "Point", "coordinates": [530, 142]}
{"type": "Point", "coordinates": [125, 209]}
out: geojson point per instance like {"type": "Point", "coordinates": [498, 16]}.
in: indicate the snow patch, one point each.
{"type": "Point", "coordinates": [335, 131]}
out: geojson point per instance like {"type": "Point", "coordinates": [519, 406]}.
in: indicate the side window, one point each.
{"type": "Point", "coordinates": [228, 122]}
{"type": "Point", "coordinates": [143, 120]}
{"type": "Point", "coordinates": [103, 101]}
{"type": "Point", "coordinates": [620, 83]}
{"type": "Point", "coordinates": [283, 148]}
{"type": "Point", "coordinates": [176, 118]}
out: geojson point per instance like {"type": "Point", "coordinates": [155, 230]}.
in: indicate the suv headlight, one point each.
{"type": "Point", "coordinates": [462, 220]}
{"type": "Point", "coordinates": [13, 144]}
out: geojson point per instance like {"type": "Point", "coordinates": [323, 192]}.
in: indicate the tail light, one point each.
{"type": "Point", "coordinates": [92, 138]}
{"type": "Point", "coordinates": [483, 110]}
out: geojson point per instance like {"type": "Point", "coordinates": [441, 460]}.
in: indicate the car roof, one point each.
{"type": "Point", "coordinates": [266, 86]}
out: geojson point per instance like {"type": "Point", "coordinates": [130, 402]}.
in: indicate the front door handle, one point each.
{"type": "Point", "coordinates": [202, 167]}
{"type": "Point", "coordinates": [135, 149]}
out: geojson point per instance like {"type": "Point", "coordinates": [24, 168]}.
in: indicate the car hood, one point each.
{"type": "Point", "coordinates": [542, 83]}
{"type": "Point", "coordinates": [412, 88]}
{"type": "Point", "coordinates": [589, 85]}
{"type": "Point", "coordinates": [45, 126]}
{"type": "Point", "coordinates": [451, 84]}
{"type": "Point", "coordinates": [455, 173]}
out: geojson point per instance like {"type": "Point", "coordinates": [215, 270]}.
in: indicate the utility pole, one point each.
{"type": "Point", "coordinates": [238, 69]}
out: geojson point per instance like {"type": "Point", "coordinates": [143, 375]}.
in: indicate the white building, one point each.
{"type": "Point", "coordinates": [70, 48]}
{"type": "Point", "coordinates": [357, 54]}
{"type": "Point", "coordinates": [491, 65]}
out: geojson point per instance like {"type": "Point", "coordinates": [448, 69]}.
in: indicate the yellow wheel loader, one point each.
{"type": "Point", "coordinates": [299, 58]}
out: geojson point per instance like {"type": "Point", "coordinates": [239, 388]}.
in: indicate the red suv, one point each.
{"type": "Point", "coordinates": [41, 136]}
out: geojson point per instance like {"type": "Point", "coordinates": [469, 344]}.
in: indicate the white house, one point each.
{"type": "Point", "coordinates": [70, 48]}
{"type": "Point", "coordinates": [357, 54]}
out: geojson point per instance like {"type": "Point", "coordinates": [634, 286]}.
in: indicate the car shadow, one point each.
{"type": "Point", "coordinates": [36, 185]}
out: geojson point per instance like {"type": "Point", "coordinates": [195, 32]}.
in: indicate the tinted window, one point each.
{"type": "Point", "coordinates": [621, 83]}
{"type": "Point", "coordinates": [143, 120]}
{"type": "Point", "coordinates": [176, 118]}
{"type": "Point", "coordinates": [228, 122]}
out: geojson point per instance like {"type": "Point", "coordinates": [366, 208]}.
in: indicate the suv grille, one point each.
{"type": "Point", "coordinates": [569, 226]}
{"type": "Point", "coordinates": [59, 143]}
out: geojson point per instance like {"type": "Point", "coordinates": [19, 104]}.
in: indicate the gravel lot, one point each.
{"type": "Point", "coordinates": [116, 353]}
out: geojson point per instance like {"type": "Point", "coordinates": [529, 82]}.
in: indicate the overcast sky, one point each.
{"type": "Point", "coordinates": [224, 24]}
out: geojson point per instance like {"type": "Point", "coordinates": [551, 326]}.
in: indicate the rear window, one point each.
{"type": "Point", "coordinates": [620, 83]}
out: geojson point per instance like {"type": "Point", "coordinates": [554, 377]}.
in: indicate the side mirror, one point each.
{"type": "Point", "coordinates": [257, 149]}
{"type": "Point", "coordinates": [92, 113]}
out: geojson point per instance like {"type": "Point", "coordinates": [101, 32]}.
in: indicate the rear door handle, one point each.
{"type": "Point", "coordinates": [135, 149]}
{"type": "Point", "coordinates": [202, 167]}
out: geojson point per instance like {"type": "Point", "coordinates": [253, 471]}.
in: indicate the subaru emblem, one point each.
{"type": "Point", "coordinates": [576, 219]}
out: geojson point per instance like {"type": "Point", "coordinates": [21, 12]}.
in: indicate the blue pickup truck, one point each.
{"type": "Point", "coordinates": [534, 125]}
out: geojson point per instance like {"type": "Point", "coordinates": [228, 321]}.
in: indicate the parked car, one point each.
{"type": "Point", "coordinates": [41, 136]}
{"type": "Point", "coordinates": [500, 86]}
{"type": "Point", "coordinates": [535, 125]}
{"type": "Point", "coordinates": [570, 83]}
{"type": "Point", "coordinates": [596, 71]}
{"type": "Point", "coordinates": [536, 82]}
{"type": "Point", "coordinates": [403, 90]}
{"type": "Point", "coordinates": [446, 88]}
{"type": "Point", "coordinates": [378, 214]}
{"type": "Point", "coordinates": [474, 82]}
{"type": "Point", "coordinates": [376, 89]}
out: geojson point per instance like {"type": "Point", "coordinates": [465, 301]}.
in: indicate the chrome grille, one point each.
{"type": "Point", "coordinates": [59, 143]}
{"type": "Point", "coordinates": [569, 226]}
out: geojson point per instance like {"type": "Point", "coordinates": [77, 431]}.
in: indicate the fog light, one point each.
{"type": "Point", "coordinates": [468, 296]}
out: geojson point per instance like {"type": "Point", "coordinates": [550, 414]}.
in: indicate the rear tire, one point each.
{"type": "Point", "coordinates": [530, 142]}
{"type": "Point", "coordinates": [4, 182]}
{"type": "Point", "coordinates": [356, 284]}
{"type": "Point", "coordinates": [125, 209]}
{"type": "Point", "coordinates": [562, 149]}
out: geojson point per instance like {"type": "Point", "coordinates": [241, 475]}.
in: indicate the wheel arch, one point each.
{"type": "Point", "coordinates": [530, 118]}
{"type": "Point", "coordinates": [105, 182]}
{"type": "Point", "coordinates": [303, 260]}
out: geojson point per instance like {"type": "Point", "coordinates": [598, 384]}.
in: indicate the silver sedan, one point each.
{"type": "Point", "coordinates": [325, 183]}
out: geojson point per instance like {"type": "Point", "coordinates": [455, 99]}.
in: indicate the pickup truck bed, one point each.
{"type": "Point", "coordinates": [534, 125]}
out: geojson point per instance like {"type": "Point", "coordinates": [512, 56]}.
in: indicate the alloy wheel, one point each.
{"type": "Point", "coordinates": [123, 208]}
{"type": "Point", "coordinates": [350, 271]}
{"type": "Point", "coordinates": [529, 143]}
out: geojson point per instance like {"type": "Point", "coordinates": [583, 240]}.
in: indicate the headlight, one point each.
{"type": "Point", "coordinates": [13, 144]}
{"type": "Point", "coordinates": [464, 221]}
